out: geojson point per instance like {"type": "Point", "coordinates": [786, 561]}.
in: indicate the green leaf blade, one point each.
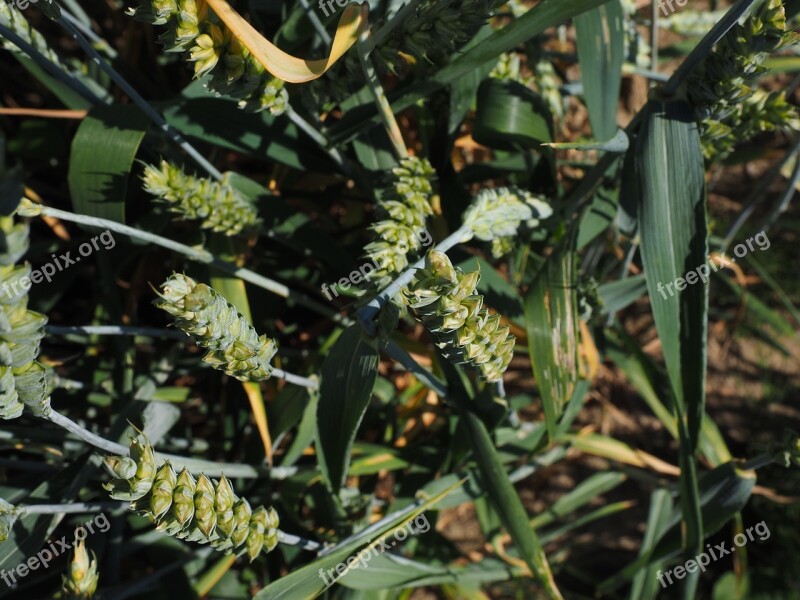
{"type": "Point", "coordinates": [101, 160]}
{"type": "Point", "coordinates": [348, 377]}
{"type": "Point", "coordinates": [601, 52]}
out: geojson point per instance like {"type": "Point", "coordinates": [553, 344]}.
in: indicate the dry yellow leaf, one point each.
{"type": "Point", "coordinates": [283, 65]}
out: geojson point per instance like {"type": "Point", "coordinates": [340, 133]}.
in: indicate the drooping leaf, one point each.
{"type": "Point", "coordinates": [510, 115]}
{"type": "Point", "coordinates": [285, 66]}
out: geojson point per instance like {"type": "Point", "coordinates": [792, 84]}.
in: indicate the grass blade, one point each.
{"type": "Point", "coordinates": [674, 241]}
{"type": "Point", "coordinates": [552, 323]}
{"type": "Point", "coordinates": [507, 503]}
{"type": "Point", "coordinates": [101, 160]}
{"type": "Point", "coordinates": [601, 52]}
{"type": "Point", "coordinates": [644, 584]}
{"type": "Point", "coordinates": [348, 376]}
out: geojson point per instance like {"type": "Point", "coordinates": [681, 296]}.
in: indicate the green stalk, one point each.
{"type": "Point", "coordinates": [212, 469]}
{"type": "Point", "coordinates": [379, 96]}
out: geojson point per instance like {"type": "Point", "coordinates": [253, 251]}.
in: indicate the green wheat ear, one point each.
{"type": "Point", "coordinates": [192, 29]}
{"type": "Point", "coordinates": [8, 516]}
{"type": "Point", "coordinates": [199, 510]}
{"type": "Point", "coordinates": [216, 204]}
{"type": "Point", "coordinates": [80, 582]}
{"type": "Point", "coordinates": [233, 344]}
{"type": "Point", "coordinates": [445, 300]}
{"type": "Point", "coordinates": [723, 89]}
{"type": "Point", "coordinates": [22, 377]}
{"type": "Point", "coordinates": [407, 211]}
{"type": "Point", "coordinates": [496, 215]}
{"type": "Point", "coordinates": [434, 31]}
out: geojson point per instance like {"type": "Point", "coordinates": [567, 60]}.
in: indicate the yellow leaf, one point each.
{"type": "Point", "coordinates": [285, 66]}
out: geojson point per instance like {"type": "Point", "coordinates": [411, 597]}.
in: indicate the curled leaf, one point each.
{"type": "Point", "coordinates": [283, 65]}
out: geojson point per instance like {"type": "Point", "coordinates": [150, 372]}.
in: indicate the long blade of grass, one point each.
{"type": "Point", "coordinates": [674, 241]}
{"type": "Point", "coordinates": [507, 503]}
{"type": "Point", "coordinates": [601, 53]}
{"type": "Point", "coordinates": [644, 585]}
{"type": "Point", "coordinates": [348, 377]}
{"type": "Point", "coordinates": [552, 323]}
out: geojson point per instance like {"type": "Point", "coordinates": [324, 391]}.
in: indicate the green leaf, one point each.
{"type": "Point", "coordinates": [305, 432]}
{"type": "Point", "coordinates": [584, 493]}
{"type": "Point", "coordinates": [601, 52]}
{"type": "Point", "coordinates": [510, 115]}
{"type": "Point", "coordinates": [599, 214]}
{"type": "Point", "coordinates": [552, 324]}
{"type": "Point", "coordinates": [101, 160]}
{"type": "Point", "coordinates": [464, 90]}
{"type": "Point", "coordinates": [674, 240]}
{"type": "Point", "coordinates": [644, 585]}
{"type": "Point", "coordinates": [369, 459]}
{"type": "Point", "coordinates": [646, 378]}
{"type": "Point", "coordinates": [617, 295]}
{"type": "Point", "coordinates": [348, 377]}
{"type": "Point", "coordinates": [618, 143]}
{"type": "Point", "coordinates": [506, 502]}
{"type": "Point", "coordinates": [390, 571]}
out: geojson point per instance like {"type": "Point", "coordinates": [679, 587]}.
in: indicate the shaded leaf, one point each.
{"type": "Point", "coordinates": [348, 377]}
{"type": "Point", "coordinates": [101, 160]}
